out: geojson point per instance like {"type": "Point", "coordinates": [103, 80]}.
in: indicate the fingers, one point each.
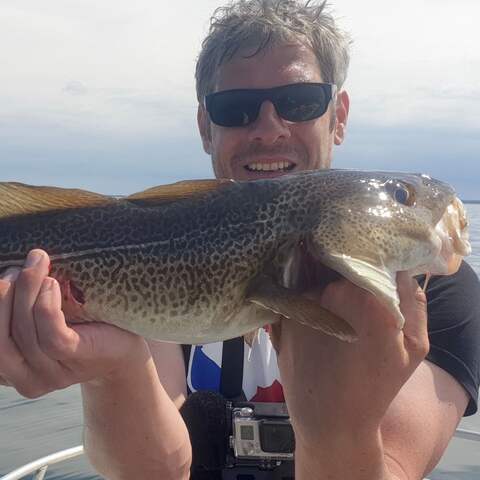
{"type": "Point", "coordinates": [11, 361]}
{"type": "Point", "coordinates": [81, 351]}
{"type": "Point", "coordinates": [55, 338]}
{"type": "Point", "coordinates": [413, 304]}
{"type": "Point", "coordinates": [22, 362]}
{"type": "Point", "coordinates": [412, 298]}
{"type": "Point", "coordinates": [361, 309]}
{"type": "Point", "coordinates": [24, 330]}
{"type": "Point", "coordinates": [6, 299]}
{"type": "Point", "coordinates": [39, 352]}
{"type": "Point", "coordinates": [28, 286]}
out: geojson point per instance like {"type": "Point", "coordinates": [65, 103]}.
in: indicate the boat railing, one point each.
{"type": "Point", "coordinates": [38, 468]}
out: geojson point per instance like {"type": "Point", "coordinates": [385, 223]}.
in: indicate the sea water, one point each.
{"type": "Point", "coordinates": [33, 428]}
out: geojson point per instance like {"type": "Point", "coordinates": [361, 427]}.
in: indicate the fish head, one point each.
{"type": "Point", "coordinates": [370, 225]}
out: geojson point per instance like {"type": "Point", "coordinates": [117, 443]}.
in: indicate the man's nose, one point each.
{"type": "Point", "coordinates": [268, 127]}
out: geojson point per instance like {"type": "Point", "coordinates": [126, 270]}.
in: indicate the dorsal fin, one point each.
{"type": "Point", "coordinates": [21, 199]}
{"type": "Point", "coordinates": [177, 191]}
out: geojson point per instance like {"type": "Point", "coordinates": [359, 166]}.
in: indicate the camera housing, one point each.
{"type": "Point", "coordinates": [261, 434]}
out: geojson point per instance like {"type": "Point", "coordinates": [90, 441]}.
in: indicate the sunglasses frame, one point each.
{"type": "Point", "coordinates": [271, 94]}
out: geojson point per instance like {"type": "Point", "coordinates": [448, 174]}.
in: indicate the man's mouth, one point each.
{"type": "Point", "coordinates": [280, 166]}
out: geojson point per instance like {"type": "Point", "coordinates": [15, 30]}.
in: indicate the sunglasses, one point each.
{"type": "Point", "coordinates": [298, 102]}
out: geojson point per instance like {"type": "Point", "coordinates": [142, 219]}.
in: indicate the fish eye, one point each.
{"type": "Point", "coordinates": [400, 193]}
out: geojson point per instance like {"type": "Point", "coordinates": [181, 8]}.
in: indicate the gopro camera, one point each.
{"type": "Point", "coordinates": [261, 435]}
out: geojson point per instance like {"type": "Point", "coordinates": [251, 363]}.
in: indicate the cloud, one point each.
{"type": "Point", "coordinates": [110, 84]}
{"type": "Point", "coordinates": [449, 154]}
{"type": "Point", "coordinates": [408, 55]}
{"type": "Point", "coordinates": [401, 63]}
{"type": "Point", "coordinates": [75, 88]}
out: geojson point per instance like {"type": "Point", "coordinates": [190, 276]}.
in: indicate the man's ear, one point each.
{"type": "Point", "coordinates": [343, 105]}
{"type": "Point", "coordinates": [204, 128]}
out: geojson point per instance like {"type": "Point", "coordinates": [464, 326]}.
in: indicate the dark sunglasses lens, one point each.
{"type": "Point", "coordinates": [300, 103]}
{"type": "Point", "coordinates": [232, 109]}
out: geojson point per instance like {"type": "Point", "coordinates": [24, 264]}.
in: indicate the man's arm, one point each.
{"type": "Point", "coordinates": [365, 410]}
{"type": "Point", "coordinates": [132, 425]}
{"type": "Point", "coordinates": [413, 435]}
{"type": "Point", "coordinates": [133, 429]}
{"type": "Point", "coordinates": [421, 421]}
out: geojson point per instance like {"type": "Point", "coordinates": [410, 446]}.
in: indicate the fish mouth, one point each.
{"type": "Point", "coordinates": [452, 231]}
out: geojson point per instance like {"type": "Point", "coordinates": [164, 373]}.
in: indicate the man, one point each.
{"type": "Point", "coordinates": [371, 410]}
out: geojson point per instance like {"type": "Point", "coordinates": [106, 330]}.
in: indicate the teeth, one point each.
{"type": "Point", "coordinates": [269, 167]}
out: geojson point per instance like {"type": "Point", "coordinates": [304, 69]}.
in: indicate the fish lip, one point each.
{"type": "Point", "coordinates": [452, 232]}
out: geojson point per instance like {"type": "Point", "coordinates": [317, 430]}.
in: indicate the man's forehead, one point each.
{"type": "Point", "coordinates": [275, 65]}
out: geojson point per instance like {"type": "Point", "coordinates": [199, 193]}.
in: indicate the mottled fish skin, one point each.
{"type": "Point", "coordinates": [180, 271]}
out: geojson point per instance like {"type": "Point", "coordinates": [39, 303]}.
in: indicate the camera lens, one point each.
{"type": "Point", "coordinates": [276, 437]}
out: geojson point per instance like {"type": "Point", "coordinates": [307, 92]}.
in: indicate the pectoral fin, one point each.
{"type": "Point", "coordinates": [297, 307]}
{"type": "Point", "coordinates": [379, 281]}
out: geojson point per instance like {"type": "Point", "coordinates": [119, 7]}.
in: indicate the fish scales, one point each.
{"type": "Point", "coordinates": [156, 263]}
{"type": "Point", "coordinates": [189, 269]}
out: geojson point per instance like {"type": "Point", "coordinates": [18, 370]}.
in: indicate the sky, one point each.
{"type": "Point", "coordinates": [100, 95]}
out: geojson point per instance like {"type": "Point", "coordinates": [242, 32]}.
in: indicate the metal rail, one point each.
{"type": "Point", "coordinates": [461, 433]}
{"type": "Point", "coordinates": [39, 467]}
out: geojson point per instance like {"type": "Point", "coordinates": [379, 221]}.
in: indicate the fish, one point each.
{"type": "Point", "coordinates": [202, 261]}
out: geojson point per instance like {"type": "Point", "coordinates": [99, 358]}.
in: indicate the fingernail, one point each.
{"type": "Point", "coordinates": [33, 258]}
{"type": "Point", "coordinates": [420, 296]}
{"type": "Point", "coordinates": [11, 274]}
{"type": "Point", "coordinates": [47, 285]}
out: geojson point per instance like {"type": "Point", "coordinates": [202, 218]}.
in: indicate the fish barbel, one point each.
{"type": "Point", "coordinates": [207, 260]}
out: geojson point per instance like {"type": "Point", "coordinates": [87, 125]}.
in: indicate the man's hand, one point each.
{"type": "Point", "coordinates": [337, 393]}
{"type": "Point", "coordinates": [39, 352]}
{"type": "Point", "coordinates": [132, 428]}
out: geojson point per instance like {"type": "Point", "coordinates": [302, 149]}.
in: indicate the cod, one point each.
{"type": "Point", "coordinates": [207, 260]}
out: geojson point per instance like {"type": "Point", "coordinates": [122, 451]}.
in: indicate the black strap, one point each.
{"type": "Point", "coordinates": [231, 378]}
{"type": "Point", "coordinates": [186, 358]}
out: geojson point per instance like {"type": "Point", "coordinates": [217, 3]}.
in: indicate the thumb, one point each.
{"type": "Point", "coordinates": [275, 331]}
{"type": "Point", "coordinates": [413, 304]}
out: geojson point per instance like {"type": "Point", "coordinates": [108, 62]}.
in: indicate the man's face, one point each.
{"type": "Point", "coordinates": [271, 146]}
